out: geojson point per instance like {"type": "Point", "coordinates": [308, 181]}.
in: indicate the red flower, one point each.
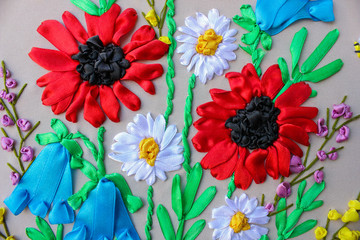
{"type": "Point", "coordinates": [92, 64]}
{"type": "Point", "coordinates": [246, 119]}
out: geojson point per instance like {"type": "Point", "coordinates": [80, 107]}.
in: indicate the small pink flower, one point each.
{"type": "Point", "coordinates": [7, 143]}
{"type": "Point", "coordinates": [27, 153]}
{"type": "Point", "coordinates": [3, 94]}
{"type": "Point", "coordinates": [11, 83]}
{"type": "Point", "coordinates": [15, 178]}
{"type": "Point", "coordinates": [322, 128]}
{"type": "Point", "coordinates": [10, 97]}
{"type": "Point", "coordinates": [334, 155]}
{"type": "Point", "coordinates": [343, 134]}
{"type": "Point", "coordinates": [318, 176]}
{"type": "Point", "coordinates": [6, 121]}
{"type": "Point", "coordinates": [270, 207]}
{"type": "Point", "coordinates": [296, 165]}
{"type": "Point", "coordinates": [341, 109]}
{"type": "Point", "coordinates": [23, 124]}
{"type": "Point", "coordinates": [321, 155]}
{"type": "Point", "coordinates": [1, 107]}
{"type": "Point", "coordinates": [8, 74]}
{"type": "Point", "coordinates": [283, 190]}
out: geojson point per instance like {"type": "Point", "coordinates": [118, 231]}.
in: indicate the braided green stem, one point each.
{"type": "Point", "coordinates": [188, 122]}
{"type": "Point", "coordinates": [150, 212]}
{"type": "Point", "coordinates": [171, 71]}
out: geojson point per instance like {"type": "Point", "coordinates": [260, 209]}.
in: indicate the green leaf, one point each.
{"type": "Point", "coordinates": [300, 192]}
{"type": "Point", "coordinates": [176, 199]}
{"type": "Point", "coordinates": [60, 232]}
{"type": "Point", "coordinates": [284, 70]}
{"type": "Point", "coordinates": [72, 146]}
{"type": "Point", "coordinates": [266, 41]}
{"type": "Point", "coordinates": [78, 198]}
{"type": "Point", "coordinates": [324, 72]}
{"type": "Point", "coordinates": [313, 93]}
{"type": "Point", "coordinates": [301, 229]}
{"type": "Point", "coordinates": [46, 138]}
{"type": "Point", "coordinates": [280, 220]}
{"type": "Point", "coordinates": [314, 205]}
{"type": "Point", "coordinates": [165, 223]}
{"type": "Point", "coordinates": [296, 48]}
{"type": "Point", "coordinates": [247, 12]}
{"type": "Point", "coordinates": [59, 127]}
{"type": "Point", "coordinates": [293, 218]}
{"type": "Point", "coordinates": [201, 203]}
{"type": "Point", "coordinates": [45, 228]}
{"type": "Point", "coordinates": [192, 185]}
{"type": "Point", "coordinates": [195, 230]}
{"type": "Point", "coordinates": [250, 38]}
{"type": "Point", "coordinates": [312, 194]}
{"type": "Point", "coordinates": [256, 58]}
{"type": "Point", "coordinates": [247, 49]}
{"type": "Point", "coordinates": [319, 53]}
{"type": "Point", "coordinates": [103, 4]}
{"type": "Point", "coordinates": [245, 23]}
{"type": "Point", "coordinates": [87, 6]}
{"type": "Point", "coordinates": [34, 234]}
{"type": "Point", "coordinates": [264, 237]}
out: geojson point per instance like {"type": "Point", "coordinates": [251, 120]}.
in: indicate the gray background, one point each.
{"type": "Point", "coordinates": [19, 20]}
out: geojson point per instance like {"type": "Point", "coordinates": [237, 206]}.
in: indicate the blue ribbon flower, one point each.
{"type": "Point", "coordinates": [48, 180]}
{"type": "Point", "coordinates": [103, 216]}
{"type": "Point", "coordinates": [274, 16]}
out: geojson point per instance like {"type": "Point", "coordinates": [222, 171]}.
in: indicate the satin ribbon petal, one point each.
{"type": "Point", "coordinates": [78, 102]}
{"type": "Point", "coordinates": [205, 140]}
{"type": "Point", "coordinates": [142, 36]}
{"type": "Point", "coordinates": [283, 155]}
{"type": "Point", "coordinates": [219, 154]}
{"type": "Point", "coordinates": [129, 99]}
{"type": "Point", "coordinates": [295, 133]}
{"type": "Point", "coordinates": [150, 51]}
{"type": "Point", "coordinates": [306, 124]}
{"type": "Point", "coordinates": [58, 36]}
{"type": "Point", "coordinates": [109, 103]}
{"type": "Point", "coordinates": [75, 28]}
{"type": "Point", "coordinates": [255, 164]}
{"type": "Point", "coordinates": [242, 178]}
{"type": "Point", "coordinates": [213, 110]}
{"type": "Point", "coordinates": [141, 71]}
{"type": "Point", "coordinates": [272, 164]}
{"type": "Point", "coordinates": [61, 106]}
{"type": "Point", "coordinates": [271, 81]}
{"type": "Point", "coordinates": [92, 111]}
{"type": "Point", "coordinates": [297, 112]}
{"type": "Point", "coordinates": [226, 169]}
{"type": "Point", "coordinates": [107, 24]}
{"type": "Point", "coordinates": [92, 24]}
{"type": "Point", "coordinates": [205, 124]}
{"type": "Point", "coordinates": [252, 78]}
{"type": "Point", "coordinates": [227, 99]}
{"type": "Point", "coordinates": [148, 86]}
{"type": "Point", "coordinates": [293, 147]}
{"type": "Point", "coordinates": [124, 23]}
{"type": "Point", "coordinates": [294, 96]}
{"type": "Point", "coordinates": [52, 60]}
{"type": "Point", "coordinates": [48, 78]}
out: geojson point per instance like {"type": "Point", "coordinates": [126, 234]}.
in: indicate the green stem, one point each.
{"type": "Point", "coordinates": [180, 230]}
{"type": "Point", "coordinates": [347, 122]}
{"type": "Point", "coordinates": [327, 226]}
{"type": "Point", "coordinates": [344, 225]}
{"type": "Point", "coordinates": [2, 235]}
{"type": "Point", "coordinates": [7, 110]}
{"type": "Point", "coordinates": [262, 200]}
{"type": "Point", "coordinates": [13, 169]}
{"type": "Point", "coordinates": [274, 213]}
{"type": "Point", "coordinates": [20, 92]}
{"type": "Point", "coordinates": [307, 155]}
{"type": "Point", "coordinates": [32, 130]}
{"type": "Point", "coordinates": [6, 228]}
{"type": "Point", "coordinates": [150, 212]}
{"type": "Point", "coordinates": [327, 117]}
{"type": "Point", "coordinates": [307, 176]}
{"type": "Point", "coordinates": [4, 76]}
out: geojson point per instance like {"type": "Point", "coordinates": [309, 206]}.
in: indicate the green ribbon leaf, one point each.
{"type": "Point", "coordinates": [264, 237]}
{"type": "Point", "coordinates": [165, 223]}
{"type": "Point", "coordinates": [312, 194]}
{"type": "Point", "coordinates": [266, 41]}
{"type": "Point", "coordinates": [313, 93]}
{"type": "Point", "coordinates": [176, 198]}
{"type": "Point", "coordinates": [34, 234]}
{"type": "Point", "coordinates": [280, 220]}
{"type": "Point", "coordinates": [195, 230]}
{"type": "Point", "coordinates": [60, 232]}
{"type": "Point", "coordinates": [201, 203]}
{"type": "Point", "coordinates": [293, 219]}
{"type": "Point", "coordinates": [284, 70]}
{"type": "Point", "coordinates": [59, 127]}
{"type": "Point", "coordinates": [247, 49]}
{"type": "Point", "coordinates": [191, 188]}
{"type": "Point", "coordinates": [301, 229]}
{"type": "Point", "coordinates": [87, 6]}
{"type": "Point", "coordinates": [256, 57]}
{"type": "Point", "coordinates": [314, 205]}
{"type": "Point", "coordinates": [45, 228]}
{"type": "Point", "coordinates": [245, 23]}
{"type": "Point", "coordinates": [324, 72]}
{"type": "Point", "coordinates": [78, 198]}
{"type": "Point", "coordinates": [296, 48]}
{"type": "Point", "coordinates": [46, 138]}
{"type": "Point", "coordinates": [300, 193]}
{"type": "Point", "coordinates": [319, 53]}
{"type": "Point", "coordinates": [247, 12]}
{"type": "Point", "coordinates": [72, 146]}
{"type": "Point", "coordinates": [251, 37]}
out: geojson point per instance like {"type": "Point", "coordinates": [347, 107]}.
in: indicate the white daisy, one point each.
{"type": "Point", "coordinates": [207, 44]}
{"type": "Point", "coordinates": [148, 149]}
{"type": "Point", "coordinates": [239, 220]}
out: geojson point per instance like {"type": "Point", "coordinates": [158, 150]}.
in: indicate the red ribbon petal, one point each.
{"type": "Point", "coordinates": [271, 81]}
{"type": "Point", "coordinates": [293, 147]}
{"type": "Point", "coordinates": [141, 37]}
{"type": "Point", "coordinates": [283, 159]}
{"type": "Point", "coordinates": [239, 84]}
{"type": "Point", "coordinates": [204, 141]}
{"type": "Point", "coordinates": [124, 23]}
{"type": "Point", "coordinates": [78, 102]}
{"type": "Point", "coordinates": [297, 112]}
{"type": "Point", "coordinates": [205, 124]}
{"type": "Point", "coordinates": [272, 164]}
{"type": "Point", "coordinates": [61, 106]}
{"type": "Point", "coordinates": [58, 36]}
{"type": "Point", "coordinates": [129, 99]}
{"type": "Point", "coordinates": [227, 99]}
{"type": "Point", "coordinates": [92, 110]}
{"type": "Point", "coordinates": [306, 124]}
{"type": "Point", "coordinates": [242, 177]}
{"type": "Point", "coordinates": [151, 51]}
{"type": "Point", "coordinates": [48, 78]}
{"type": "Point", "coordinates": [226, 169]}
{"type": "Point", "coordinates": [109, 103]}
{"type": "Point", "coordinates": [107, 24]}
{"type": "Point", "coordinates": [252, 78]}
{"type": "Point", "coordinates": [148, 86]}
{"type": "Point", "coordinates": [52, 60]}
{"type": "Point", "coordinates": [219, 154]}
{"type": "Point", "coordinates": [141, 71]}
{"type": "Point", "coordinates": [92, 24]}
{"type": "Point", "coordinates": [294, 96]}
{"type": "Point", "coordinates": [75, 27]}
{"type": "Point", "coordinates": [212, 110]}
{"type": "Point", "coordinates": [255, 164]}
{"type": "Point", "coordinates": [295, 133]}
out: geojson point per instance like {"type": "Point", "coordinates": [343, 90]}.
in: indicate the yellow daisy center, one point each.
{"type": "Point", "coordinates": [149, 150]}
{"type": "Point", "coordinates": [208, 43]}
{"type": "Point", "coordinates": [239, 222]}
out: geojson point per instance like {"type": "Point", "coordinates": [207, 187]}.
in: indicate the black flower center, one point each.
{"type": "Point", "coordinates": [255, 126]}
{"type": "Point", "coordinates": [99, 64]}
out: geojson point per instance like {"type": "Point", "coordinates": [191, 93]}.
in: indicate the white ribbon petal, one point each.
{"type": "Point", "coordinates": [202, 20]}
{"type": "Point", "coordinates": [229, 56]}
{"type": "Point", "coordinates": [250, 206]}
{"type": "Point", "coordinates": [222, 212]}
{"type": "Point", "coordinates": [219, 223]}
{"type": "Point", "coordinates": [150, 122]}
{"type": "Point", "coordinates": [217, 233]}
{"type": "Point", "coordinates": [231, 204]}
{"type": "Point", "coordinates": [133, 129]}
{"type": "Point", "coordinates": [126, 166]}
{"type": "Point", "coordinates": [216, 64]}
{"type": "Point", "coordinates": [170, 151]}
{"type": "Point", "coordinates": [159, 129]}
{"type": "Point", "coordinates": [241, 202]}
{"type": "Point", "coordinates": [141, 122]}
{"type": "Point", "coordinates": [186, 39]}
{"type": "Point", "coordinates": [258, 212]}
{"type": "Point", "coordinates": [252, 234]}
{"type": "Point", "coordinates": [223, 61]}
{"type": "Point", "coordinates": [188, 31]}
{"type": "Point", "coordinates": [229, 40]}
{"type": "Point", "coordinates": [124, 157]}
{"type": "Point", "coordinates": [260, 220]}
{"type": "Point", "coordinates": [186, 57]}
{"type": "Point", "coordinates": [143, 172]}
{"type": "Point", "coordinates": [126, 138]}
{"type": "Point", "coordinates": [230, 33]}
{"type": "Point", "coordinates": [166, 167]}
{"type": "Point", "coordinates": [227, 47]}
{"type": "Point", "coordinates": [171, 160]}
{"type": "Point", "coordinates": [135, 167]}
{"type": "Point", "coordinates": [160, 174]}
{"type": "Point", "coordinates": [213, 16]}
{"type": "Point", "coordinates": [191, 23]}
{"type": "Point", "coordinates": [243, 236]}
{"type": "Point", "coordinates": [259, 229]}
{"type": "Point", "coordinates": [123, 148]}
{"type": "Point", "coordinates": [222, 25]}
{"type": "Point", "coordinates": [194, 60]}
{"type": "Point", "coordinates": [185, 47]}
{"type": "Point", "coordinates": [227, 234]}
{"type": "Point", "coordinates": [176, 140]}
{"type": "Point", "coordinates": [169, 135]}
{"type": "Point", "coordinates": [151, 178]}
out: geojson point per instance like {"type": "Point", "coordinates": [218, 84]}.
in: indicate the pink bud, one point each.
{"type": "Point", "coordinates": [11, 83]}
{"type": "Point", "coordinates": [270, 207]}
{"type": "Point", "coordinates": [1, 107]}
{"type": "Point", "coordinates": [7, 143]}
{"type": "Point", "coordinates": [318, 176]}
{"type": "Point", "coordinates": [6, 121]}
{"type": "Point", "coordinates": [322, 128]}
{"type": "Point", "coordinates": [8, 74]}
{"type": "Point", "coordinates": [27, 153]}
{"type": "Point", "coordinates": [343, 135]}
{"type": "Point", "coordinates": [23, 124]}
{"type": "Point", "coordinates": [15, 178]}
{"type": "Point", "coordinates": [296, 165]}
{"type": "Point", "coordinates": [334, 155]}
{"type": "Point", "coordinates": [3, 94]}
{"type": "Point", "coordinates": [321, 155]}
{"type": "Point", "coordinates": [283, 190]}
{"type": "Point", "coordinates": [10, 97]}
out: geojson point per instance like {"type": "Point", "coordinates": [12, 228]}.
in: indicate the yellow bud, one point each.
{"type": "Point", "coordinates": [152, 17]}
{"type": "Point", "coordinates": [320, 233]}
{"type": "Point", "coordinates": [2, 213]}
{"type": "Point", "coordinates": [356, 233]}
{"type": "Point", "coordinates": [350, 215]}
{"type": "Point", "coordinates": [354, 204]}
{"type": "Point", "coordinates": [346, 234]}
{"type": "Point", "coordinates": [334, 215]}
{"type": "Point", "coordinates": [165, 39]}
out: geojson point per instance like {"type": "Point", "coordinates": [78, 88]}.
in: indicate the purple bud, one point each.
{"type": "Point", "coordinates": [343, 134]}
{"type": "Point", "coordinates": [341, 109]}
{"type": "Point", "coordinates": [8, 74]}
{"type": "Point", "coordinates": [270, 207]}
{"type": "Point", "coordinates": [10, 97]}
{"type": "Point", "coordinates": [334, 155]}
{"type": "Point", "coordinates": [7, 143]}
{"type": "Point", "coordinates": [322, 128]}
{"type": "Point", "coordinates": [283, 190]}
{"type": "Point", "coordinates": [11, 83]}
{"type": "Point", "coordinates": [296, 165]}
{"type": "Point", "coordinates": [321, 155]}
{"type": "Point", "coordinates": [3, 94]}
{"type": "Point", "coordinates": [6, 121]}
{"type": "Point", "coordinates": [1, 107]}
{"type": "Point", "coordinates": [15, 178]}
{"type": "Point", "coordinates": [27, 153]}
{"type": "Point", "coordinates": [318, 176]}
{"type": "Point", "coordinates": [23, 124]}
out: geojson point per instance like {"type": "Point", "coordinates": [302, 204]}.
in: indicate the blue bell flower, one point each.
{"type": "Point", "coordinates": [103, 215]}
{"type": "Point", "coordinates": [274, 16]}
